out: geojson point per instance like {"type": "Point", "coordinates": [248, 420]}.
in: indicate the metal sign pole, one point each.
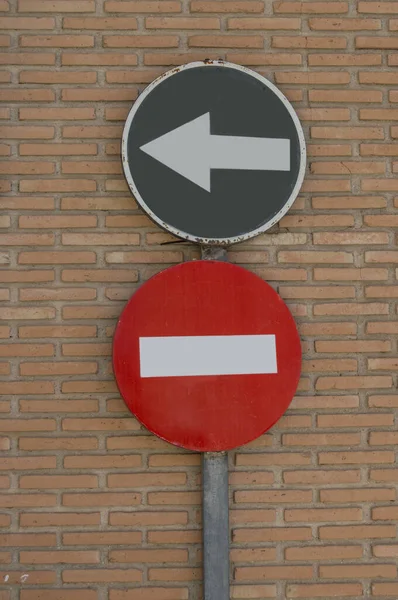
{"type": "Point", "coordinates": [215, 526]}
{"type": "Point", "coordinates": [215, 503]}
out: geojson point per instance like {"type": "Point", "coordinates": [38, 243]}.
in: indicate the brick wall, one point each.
{"type": "Point", "coordinates": [92, 504]}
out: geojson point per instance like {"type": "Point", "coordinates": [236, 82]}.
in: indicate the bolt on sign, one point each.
{"type": "Point", "coordinates": [206, 354]}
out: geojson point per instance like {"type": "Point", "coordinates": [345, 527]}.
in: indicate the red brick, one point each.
{"type": "Point", "coordinates": [308, 42]}
{"type": "Point", "coordinates": [317, 77]}
{"type": "Point", "coordinates": [355, 458]}
{"type": "Point", "coordinates": [321, 439]}
{"type": "Point", "coordinates": [378, 114]}
{"type": "Point", "coordinates": [140, 41]}
{"type": "Point", "coordinates": [46, 594]}
{"type": "Point", "coordinates": [98, 59]}
{"type": "Point", "coordinates": [355, 420]}
{"type": "Point", "coordinates": [101, 538]}
{"type": "Point", "coordinates": [353, 346]}
{"type": "Point", "coordinates": [22, 132]}
{"type": "Point", "coordinates": [150, 593]}
{"type": "Point", "coordinates": [384, 589]}
{"type": "Point", "coordinates": [323, 553]}
{"type": "Point", "coordinates": [56, 5]}
{"type": "Point", "coordinates": [54, 331]}
{"type": "Point", "coordinates": [357, 495]}
{"type": "Point", "coordinates": [101, 576]}
{"type": "Point", "coordinates": [384, 513]}
{"type": "Point", "coordinates": [344, 24]}
{"type": "Point", "coordinates": [173, 498]}
{"type": "Point", "coordinates": [35, 577]}
{"type": "Point", "coordinates": [60, 443]}
{"type": "Point", "coordinates": [273, 573]}
{"type": "Point", "coordinates": [384, 438]}
{"type": "Point", "coordinates": [58, 519]}
{"type": "Point", "coordinates": [385, 551]}
{"type": "Point", "coordinates": [378, 7]}
{"type": "Point", "coordinates": [48, 406]}
{"type": "Point", "coordinates": [26, 95]}
{"type": "Point", "coordinates": [143, 6]}
{"type": "Point", "coordinates": [182, 23]}
{"type": "Point", "coordinates": [227, 6]}
{"type": "Point", "coordinates": [148, 556]}
{"type": "Point", "coordinates": [100, 424]}
{"type": "Point", "coordinates": [225, 41]}
{"type": "Point", "coordinates": [322, 515]}
{"type": "Point", "coordinates": [253, 591]}
{"type": "Point", "coordinates": [26, 463]}
{"type": "Point", "coordinates": [347, 133]}
{"type": "Point", "coordinates": [323, 590]}
{"type": "Point", "coordinates": [99, 23]}
{"type": "Point", "coordinates": [334, 7]}
{"type": "Point", "coordinates": [386, 185]}
{"type": "Point", "coordinates": [175, 575]}
{"type": "Point", "coordinates": [357, 571]}
{"type": "Point", "coordinates": [274, 497]}
{"type": "Point", "coordinates": [59, 557]}
{"type": "Point", "coordinates": [382, 401]}
{"type": "Point", "coordinates": [264, 23]}
{"type": "Point", "coordinates": [282, 458]}
{"type": "Point", "coordinates": [146, 480]}
{"type": "Point", "coordinates": [57, 41]}
{"type": "Point", "coordinates": [252, 554]}
{"type": "Point", "coordinates": [16, 388]}
{"type": "Point", "coordinates": [376, 42]}
{"type": "Point", "coordinates": [357, 532]}
{"type": "Point", "coordinates": [322, 477]}
{"type": "Point", "coordinates": [58, 481]}
{"type": "Point", "coordinates": [29, 23]}
{"type": "Point", "coordinates": [58, 185]}
{"type": "Point", "coordinates": [56, 258]}
{"type": "Point", "coordinates": [281, 58]}
{"type": "Point", "coordinates": [45, 77]}
{"type": "Point", "coordinates": [141, 519]}
{"type": "Point", "coordinates": [97, 499]}
{"type": "Point", "coordinates": [98, 203]}
{"type": "Point", "coordinates": [374, 78]}
{"type": "Point", "coordinates": [26, 539]}
{"type": "Point", "coordinates": [28, 58]}
{"type": "Point", "coordinates": [17, 350]}
{"type": "Point", "coordinates": [346, 96]}
{"type": "Point", "coordinates": [98, 95]}
{"type": "Point", "coordinates": [27, 500]}
{"type": "Point", "coordinates": [175, 537]}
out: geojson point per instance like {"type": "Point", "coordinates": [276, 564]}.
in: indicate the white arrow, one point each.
{"type": "Point", "coordinates": [192, 151]}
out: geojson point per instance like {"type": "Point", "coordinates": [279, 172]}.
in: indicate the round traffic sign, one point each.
{"type": "Point", "coordinates": [207, 355]}
{"type": "Point", "coordinates": [213, 152]}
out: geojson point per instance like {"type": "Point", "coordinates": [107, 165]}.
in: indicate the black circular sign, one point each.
{"type": "Point", "coordinates": [213, 152]}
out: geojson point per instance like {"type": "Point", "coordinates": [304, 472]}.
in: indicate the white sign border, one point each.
{"type": "Point", "coordinates": [183, 234]}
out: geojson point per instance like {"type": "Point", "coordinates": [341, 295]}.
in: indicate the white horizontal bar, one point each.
{"type": "Point", "coordinates": [207, 355]}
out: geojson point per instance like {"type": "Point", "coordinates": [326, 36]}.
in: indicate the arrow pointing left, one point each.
{"type": "Point", "coordinates": [192, 151]}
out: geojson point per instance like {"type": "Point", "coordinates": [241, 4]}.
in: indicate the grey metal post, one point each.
{"type": "Point", "coordinates": [215, 526]}
{"type": "Point", "coordinates": [215, 503]}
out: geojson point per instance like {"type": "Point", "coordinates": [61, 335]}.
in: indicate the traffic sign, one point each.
{"type": "Point", "coordinates": [207, 355]}
{"type": "Point", "coordinates": [213, 152]}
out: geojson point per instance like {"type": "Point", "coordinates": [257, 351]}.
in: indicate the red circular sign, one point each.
{"type": "Point", "coordinates": [207, 355]}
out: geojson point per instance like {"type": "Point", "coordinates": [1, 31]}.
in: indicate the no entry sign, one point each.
{"type": "Point", "coordinates": [213, 152]}
{"type": "Point", "coordinates": [207, 355]}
